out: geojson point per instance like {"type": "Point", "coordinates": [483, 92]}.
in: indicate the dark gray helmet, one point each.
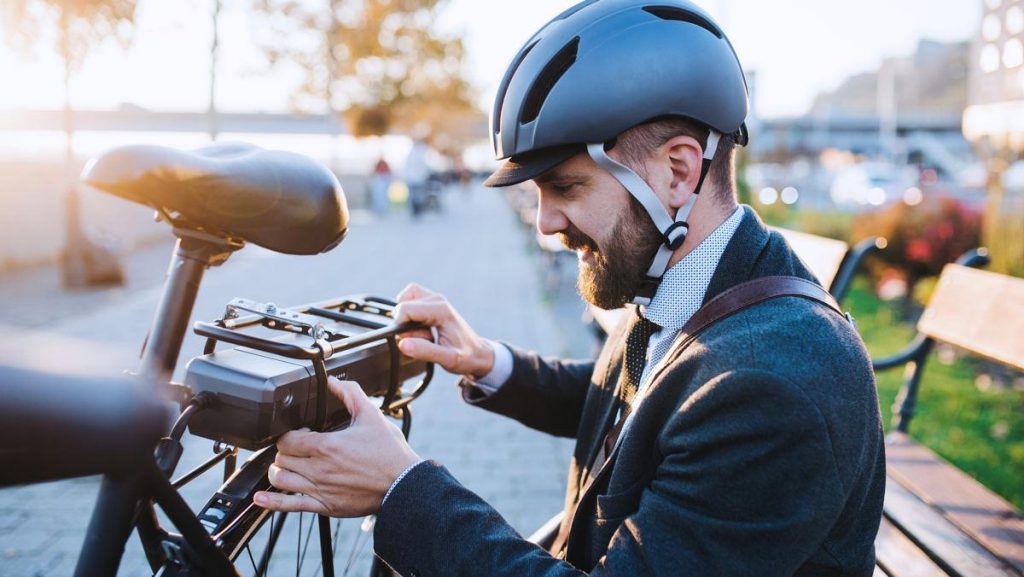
{"type": "Point", "coordinates": [603, 67]}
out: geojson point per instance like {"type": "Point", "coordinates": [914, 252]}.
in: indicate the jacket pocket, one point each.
{"type": "Point", "coordinates": [621, 504]}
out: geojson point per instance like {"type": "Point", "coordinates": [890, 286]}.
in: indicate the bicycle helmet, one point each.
{"type": "Point", "coordinates": [603, 67]}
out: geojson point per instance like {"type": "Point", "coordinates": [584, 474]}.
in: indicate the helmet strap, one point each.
{"type": "Point", "coordinates": [673, 230]}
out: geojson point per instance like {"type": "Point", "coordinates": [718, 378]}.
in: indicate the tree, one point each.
{"type": "Point", "coordinates": [379, 62]}
{"type": "Point", "coordinates": [80, 25]}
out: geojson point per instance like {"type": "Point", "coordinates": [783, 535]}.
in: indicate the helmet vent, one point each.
{"type": "Point", "coordinates": [499, 102]}
{"type": "Point", "coordinates": [674, 13]}
{"type": "Point", "coordinates": [547, 79]}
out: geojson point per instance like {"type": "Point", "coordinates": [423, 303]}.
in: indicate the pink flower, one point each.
{"type": "Point", "coordinates": [919, 251]}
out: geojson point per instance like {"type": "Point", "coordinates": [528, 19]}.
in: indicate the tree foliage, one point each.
{"type": "Point", "coordinates": [80, 25]}
{"type": "Point", "coordinates": [381, 63]}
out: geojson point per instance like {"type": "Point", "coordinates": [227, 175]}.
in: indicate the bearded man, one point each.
{"type": "Point", "coordinates": [730, 426]}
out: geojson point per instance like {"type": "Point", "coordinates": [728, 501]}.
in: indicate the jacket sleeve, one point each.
{"type": "Point", "coordinates": [746, 485]}
{"type": "Point", "coordinates": [543, 394]}
{"type": "Point", "coordinates": [432, 525]}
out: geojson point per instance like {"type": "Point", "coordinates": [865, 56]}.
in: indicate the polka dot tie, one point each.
{"type": "Point", "coordinates": [636, 357]}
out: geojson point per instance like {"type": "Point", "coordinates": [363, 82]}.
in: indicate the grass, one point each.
{"type": "Point", "coordinates": [979, 431]}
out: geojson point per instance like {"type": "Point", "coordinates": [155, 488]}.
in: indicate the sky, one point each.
{"type": "Point", "coordinates": [797, 47]}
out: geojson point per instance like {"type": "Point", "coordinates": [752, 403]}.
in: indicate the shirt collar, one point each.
{"type": "Point", "coordinates": [684, 285]}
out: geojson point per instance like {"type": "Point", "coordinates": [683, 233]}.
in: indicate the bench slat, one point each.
{"type": "Point", "coordinates": [982, 514]}
{"type": "Point", "coordinates": [900, 557]}
{"type": "Point", "coordinates": [979, 311]}
{"type": "Point", "coordinates": [959, 554]}
{"type": "Point", "coordinates": [822, 255]}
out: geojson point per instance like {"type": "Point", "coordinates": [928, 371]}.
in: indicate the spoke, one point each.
{"type": "Point", "coordinates": [251, 560]}
{"type": "Point", "coordinates": [360, 541]}
{"type": "Point", "coordinates": [305, 547]}
{"type": "Point", "coordinates": [298, 548]}
{"type": "Point", "coordinates": [337, 533]}
{"type": "Point", "coordinates": [276, 526]}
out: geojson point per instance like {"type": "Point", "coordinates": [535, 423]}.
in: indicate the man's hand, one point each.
{"type": "Point", "coordinates": [343, 473]}
{"type": "Point", "coordinates": [458, 349]}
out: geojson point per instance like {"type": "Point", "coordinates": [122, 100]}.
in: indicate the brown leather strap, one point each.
{"type": "Point", "coordinates": [750, 293]}
{"type": "Point", "coordinates": [727, 303]}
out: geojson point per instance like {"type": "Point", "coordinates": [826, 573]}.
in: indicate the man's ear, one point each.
{"type": "Point", "coordinates": [684, 157]}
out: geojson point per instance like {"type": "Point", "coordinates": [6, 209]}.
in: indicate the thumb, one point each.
{"type": "Point", "coordinates": [351, 394]}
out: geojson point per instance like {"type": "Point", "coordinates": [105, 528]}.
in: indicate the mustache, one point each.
{"type": "Point", "coordinates": [573, 239]}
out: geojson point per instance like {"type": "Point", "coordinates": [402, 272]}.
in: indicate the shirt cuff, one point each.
{"type": "Point", "coordinates": [500, 372]}
{"type": "Point", "coordinates": [399, 478]}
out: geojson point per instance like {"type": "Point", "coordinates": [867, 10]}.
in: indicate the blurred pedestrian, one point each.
{"type": "Point", "coordinates": [380, 182]}
{"type": "Point", "coordinates": [416, 175]}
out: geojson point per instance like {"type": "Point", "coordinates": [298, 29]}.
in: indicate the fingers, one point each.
{"type": "Point", "coordinates": [413, 291]}
{"type": "Point", "coordinates": [289, 480]}
{"type": "Point", "coordinates": [433, 311]}
{"type": "Point", "coordinates": [300, 443]}
{"type": "Point", "coordinates": [307, 467]}
{"type": "Point", "coordinates": [352, 395]}
{"type": "Point", "coordinates": [417, 334]}
{"type": "Point", "coordinates": [424, 350]}
{"type": "Point", "coordinates": [288, 503]}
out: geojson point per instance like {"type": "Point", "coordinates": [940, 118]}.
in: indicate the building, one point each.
{"type": "Point", "coordinates": [994, 123]}
{"type": "Point", "coordinates": [910, 108]}
{"type": "Point", "coordinates": [995, 113]}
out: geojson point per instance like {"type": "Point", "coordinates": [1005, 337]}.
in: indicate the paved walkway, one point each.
{"type": "Point", "coordinates": [475, 252]}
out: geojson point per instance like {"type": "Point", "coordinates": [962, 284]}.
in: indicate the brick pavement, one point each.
{"type": "Point", "coordinates": [474, 253]}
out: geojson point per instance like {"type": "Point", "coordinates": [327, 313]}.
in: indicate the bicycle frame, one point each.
{"type": "Point", "coordinates": [210, 541]}
{"type": "Point", "coordinates": [113, 516]}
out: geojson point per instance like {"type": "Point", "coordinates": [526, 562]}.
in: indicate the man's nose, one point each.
{"type": "Point", "coordinates": [550, 219]}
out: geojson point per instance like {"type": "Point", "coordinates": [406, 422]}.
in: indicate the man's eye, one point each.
{"type": "Point", "coordinates": [562, 188]}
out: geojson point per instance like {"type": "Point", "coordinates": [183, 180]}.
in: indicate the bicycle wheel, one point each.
{"type": "Point", "coordinates": [261, 543]}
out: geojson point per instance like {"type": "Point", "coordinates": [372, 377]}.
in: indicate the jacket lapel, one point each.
{"type": "Point", "coordinates": [608, 409]}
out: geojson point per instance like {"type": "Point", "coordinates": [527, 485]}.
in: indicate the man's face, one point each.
{"type": "Point", "coordinates": [595, 216]}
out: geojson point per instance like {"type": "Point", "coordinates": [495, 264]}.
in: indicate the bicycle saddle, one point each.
{"type": "Point", "coordinates": [279, 200]}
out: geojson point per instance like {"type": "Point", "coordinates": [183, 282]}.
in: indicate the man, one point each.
{"type": "Point", "coordinates": [751, 447]}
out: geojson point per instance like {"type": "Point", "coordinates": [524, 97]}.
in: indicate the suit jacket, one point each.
{"type": "Point", "coordinates": [757, 450]}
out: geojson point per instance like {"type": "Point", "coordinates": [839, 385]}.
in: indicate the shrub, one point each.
{"type": "Point", "coordinates": [922, 238]}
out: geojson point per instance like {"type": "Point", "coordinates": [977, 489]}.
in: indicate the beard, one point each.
{"type": "Point", "coordinates": [610, 280]}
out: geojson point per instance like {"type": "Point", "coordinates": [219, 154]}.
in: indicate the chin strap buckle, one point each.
{"type": "Point", "coordinates": [674, 237]}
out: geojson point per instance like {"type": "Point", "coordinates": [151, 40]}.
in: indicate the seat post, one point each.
{"type": "Point", "coordinates": [193, 254]}
{"type": "Point", "coordinates": [112, 516]}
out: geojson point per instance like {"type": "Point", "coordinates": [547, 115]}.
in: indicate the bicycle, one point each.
{"type": "Point", "coordinates": [216, 200]}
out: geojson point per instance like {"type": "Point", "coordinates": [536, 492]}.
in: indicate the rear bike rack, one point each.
{"type": "Point", "coordinates": [299, 348]}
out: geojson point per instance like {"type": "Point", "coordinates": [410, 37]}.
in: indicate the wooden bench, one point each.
{"type": "Point", "coordinates": [938, 520]}
{"type": "Point", "coordinates": [832, 261]}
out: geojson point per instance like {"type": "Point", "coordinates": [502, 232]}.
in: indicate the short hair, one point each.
{"type": "Point", "coordinates": [635, 145]}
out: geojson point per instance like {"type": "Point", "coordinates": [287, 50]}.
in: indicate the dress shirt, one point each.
{"type": "Point", "coordinates": [678, 297]}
